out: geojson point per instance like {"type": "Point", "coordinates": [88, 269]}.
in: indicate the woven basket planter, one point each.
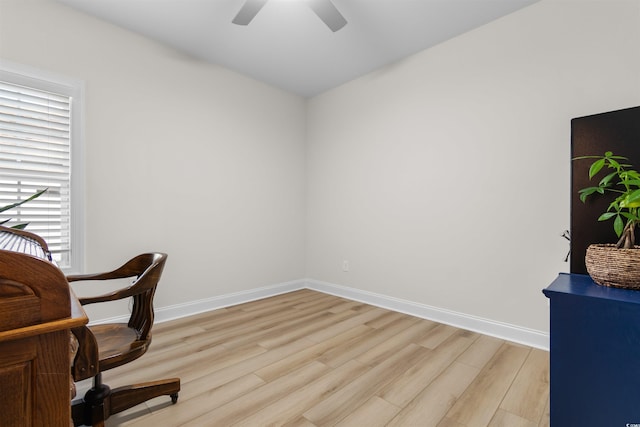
{"type": "Point", "coordinates": [609, 266]}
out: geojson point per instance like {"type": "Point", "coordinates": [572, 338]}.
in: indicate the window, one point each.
{"type": "Point", "coordinates": [40, 147]}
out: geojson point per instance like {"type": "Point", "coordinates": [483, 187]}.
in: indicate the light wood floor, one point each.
{"type": "Point", "coordinates": [311, 359]}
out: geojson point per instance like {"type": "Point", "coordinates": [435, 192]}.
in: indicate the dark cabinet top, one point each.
{"type": "Point", "coordinates": [581, 285]}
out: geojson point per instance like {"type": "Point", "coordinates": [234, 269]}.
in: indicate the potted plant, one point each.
{"type": "Point", "coordinates": [617, 264]}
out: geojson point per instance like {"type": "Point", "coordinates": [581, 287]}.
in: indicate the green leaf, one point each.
{"type": "Point", "coordinates": [607, 215]}
{"type": "Point", "coordinates": [588, 190]}
{"type": "Point", "coordinates": [596, 167]}
{"type": "Point", "coordinates": [13, 205]}
{"type": "Point", "coordinates": [631, 200]}
{"type": "Point", "coordinates": [585, 192]}
{"type": "Point", "coordinates": [630, 216]}
{"type": "Point", "coordinates": [604, 182]}
{"type": "Point", "coordinates": [634, 174]}
{"type": "Point", "coordinates": [618, 225]}
{"type": "Point", "coordinates": [635, 195]}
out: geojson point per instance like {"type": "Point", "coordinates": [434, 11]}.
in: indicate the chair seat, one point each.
{"type": "Point", "coordinates": [118, 344]}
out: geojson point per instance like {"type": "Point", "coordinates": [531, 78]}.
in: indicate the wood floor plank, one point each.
{"type": "Point", "coordinates": [386, 318]}
{"type": "Point", "coordinates": [227, 317]}
{"type": "Point", "coordinates": [187, 369]}
{"type": "Point", "coordinates": [527, 396]}
{"type": "Point", "coordinates": [353, 349]}
{"type": "Point", "coordinates": [238, 409]}
{"type": "Point", "coordinates": [166, 338]}
{"type": "Point", "coordinates": [125, 418]}
{"type": "Point", "coordinates": [314, 352]}
{"type": "Point", "coordinates": [288, 299]}
{"type": "Point", "coordinates": [348, 305]}
{"type": "Point", "coordinates": [217, 377]}
{"type": "Point", "coordinates": [448, 422]}
{"type": "Point", "coordinates": [194, 406]}
{"type": "Point", "coordinates": [158, 358]}
{"type": "Point", "coordinates": [253, 330]}
{"type": "Point", "coordinates": [481, 351]}
{"type": "Point", "coordinates": [406, 387]}
{"type": "Point", "coordinates": [503, 418]}
{"type": "Point", "coordinates": [257, 316]}
{"type": "Point", "coordinates": [340, 327]}
{"type": "Point", "coordinates": [482, 398]}
{"type": "Point", "coordinates": [308, 359]}
{"type": "Point", "coordinates": [299, 422]}
{"type": "Point", "coordinates": [289, 408]}
{"type": "Point", "coordinates": [437, 336]}
{"type": "Point", "coordinates": [399, 339]}
{"type": "Point", "coordinates": [545, 419]}
{"type": "Point", "coordinates": [297, 330]}
{"type": "Point", "coordinates": [193, 320]}
{"type": "Point", "coordinates": [375, 412]}
{"type": "Point", "coordinates": [325, 303]}
{"type": "Point", "coordinates": [340, 404]}
{"type": "Point", "coordinates": [429, 407]}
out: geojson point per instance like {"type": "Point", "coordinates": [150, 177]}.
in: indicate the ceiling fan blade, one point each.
{"type": "Point", "coordinates": [328, 13]}
{"type": "Point", "coordinates": [248, 11]}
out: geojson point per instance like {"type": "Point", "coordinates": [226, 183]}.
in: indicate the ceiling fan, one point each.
{"type": "Point", "coordinates": [325, 10]}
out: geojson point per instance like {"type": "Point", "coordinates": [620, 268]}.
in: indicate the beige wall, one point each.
{"type": "Point", "coordinates": [444, 178]}
{"type": "Point", "coordinates": [181, 156]}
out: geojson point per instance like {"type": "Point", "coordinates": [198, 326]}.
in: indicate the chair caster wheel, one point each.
{"type": "Point", "coordinates": [174, 398]}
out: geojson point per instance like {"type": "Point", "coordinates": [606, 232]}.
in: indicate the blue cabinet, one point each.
{"type": "Point", "coordinates": [595, 354]}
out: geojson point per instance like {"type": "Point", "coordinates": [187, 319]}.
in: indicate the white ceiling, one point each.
{"type": "Point", "coordinates": [288, 46]}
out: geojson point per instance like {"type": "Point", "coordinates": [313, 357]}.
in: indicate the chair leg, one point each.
{"type": "Point", "coordinates": [100, 402]}
{"type": "Point", "coordinates": [123, 398]}
{"type": "Point", "coordinates": [94, 408]}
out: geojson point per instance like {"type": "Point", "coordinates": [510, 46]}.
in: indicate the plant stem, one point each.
{"type": "Point", "coordinates": [628, 238]}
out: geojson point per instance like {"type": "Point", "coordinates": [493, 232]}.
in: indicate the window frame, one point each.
{"type": "Point", "coordinates": [44, 80]}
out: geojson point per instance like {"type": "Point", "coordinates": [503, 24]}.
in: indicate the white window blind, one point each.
{"type": "Point", "coordinates": [35, 153]}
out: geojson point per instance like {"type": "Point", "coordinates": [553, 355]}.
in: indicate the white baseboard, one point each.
{"type": "Point", "coordinates": [493, 328]}
{"type": "Point", "coordinates": [200, 306]}
{"type": "Point", "coordinates": [518, 334]}
{"type": "Point", "coordinates": [177, 311]}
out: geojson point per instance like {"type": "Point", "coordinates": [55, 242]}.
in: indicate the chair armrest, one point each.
{"type": "Point", "coordinates": [92, 276]}
{"type": "Point", "coordinates": [121, 293]}
{"type": "Point", "coordinates": [111, 275]}
{"type": "Point", "coordinates": [80, 277]}
{"type": "Point", "coordinates": [131, 268]}
{"type": "Point", "coordinates": [146, 268]}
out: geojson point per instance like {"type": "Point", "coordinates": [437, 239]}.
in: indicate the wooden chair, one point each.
{"type": "Point", "coordinates": [106, 346]}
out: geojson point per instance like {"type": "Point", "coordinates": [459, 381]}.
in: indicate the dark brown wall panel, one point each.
{"type": "Point", "coordinates": [617, 131]}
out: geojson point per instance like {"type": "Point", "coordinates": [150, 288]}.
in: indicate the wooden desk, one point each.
{"type": "Point", "coordinates": [37, 311]}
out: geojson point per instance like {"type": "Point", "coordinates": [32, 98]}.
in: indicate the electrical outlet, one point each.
{"type": "Point", "coordinates": [345, 265]}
